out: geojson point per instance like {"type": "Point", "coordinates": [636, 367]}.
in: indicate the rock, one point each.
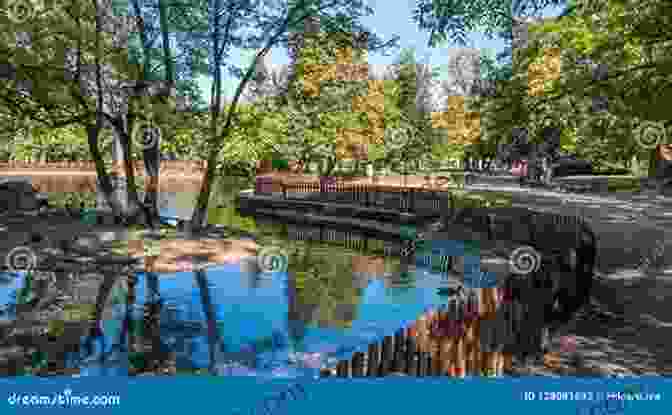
{"type": "Point", "coordinates": [249, 265]}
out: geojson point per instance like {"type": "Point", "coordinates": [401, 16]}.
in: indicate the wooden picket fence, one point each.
{"type": "Point", "coordinates": [391, 197]}
{"type": "Point", "coordinates": [477, 336]}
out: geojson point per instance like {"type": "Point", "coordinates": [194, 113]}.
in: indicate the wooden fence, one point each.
{"type": "Point", "coordinates": [390, 197]}
{"type": "Point", "coordinates": [476, 336]}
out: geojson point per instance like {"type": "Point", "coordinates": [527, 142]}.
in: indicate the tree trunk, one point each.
{"type": "Point", "coordinates": [101, 175]}
{"type": "Point", "coordinates": [199, 216]}
{"type": "Point", "coordinates": [153, 318]}
{"type": "Point", "coordinates": [653, 162]}
{"type": "Point", "coordinates": [152, 160]}
{"type": "Point", "coordinates": [133, 208]}
{"type": "Point", "coordinates": [211, 318]}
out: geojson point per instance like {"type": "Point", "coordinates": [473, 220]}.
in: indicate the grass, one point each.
{"type": "Point", "coordinates": [476, 199]}
{"type": "Point", "coordinates": [624, 184]}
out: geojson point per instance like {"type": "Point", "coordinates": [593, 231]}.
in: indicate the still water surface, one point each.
{"type": "Point", "coordinates": [331, 301]}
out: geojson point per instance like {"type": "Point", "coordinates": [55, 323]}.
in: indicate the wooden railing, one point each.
{"type": "Point", "coordinates": [405, 199]}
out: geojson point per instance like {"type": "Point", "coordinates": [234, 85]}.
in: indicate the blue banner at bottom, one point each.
{"type": "Point", "coordinates": [391, 396]}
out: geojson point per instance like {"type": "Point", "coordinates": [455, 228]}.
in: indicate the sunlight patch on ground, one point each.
{"type": "Point", "coordinates": [627, 274]}
{"type": "Point", "coordinates": [179, 255]}
{"type": "Point", "coordinates": [649, 319]}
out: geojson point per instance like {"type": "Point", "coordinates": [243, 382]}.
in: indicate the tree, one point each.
{"type": "Point", "coordinates": [273, 22]}
{"type": "Point", "coordinates": [52, 86]}
{"type": "Point", "coordinates": [453, 20]}
{"type": "Point", "coordinates": [318, 104]}
{"type": "Point", "coordinates": [76, 70]}
{"type": "Point", "coordinates": [616, 36]}
{"type": "Point", "coordinates": [415, 82]}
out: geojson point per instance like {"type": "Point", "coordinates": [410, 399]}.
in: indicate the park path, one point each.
{"type": "Point", "coordinates": [630, 229]}
{"type": "Point", "coordinates": [627, 328]}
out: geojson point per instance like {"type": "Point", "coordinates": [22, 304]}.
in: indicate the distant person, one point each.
{"type": "Point", "coordinates": [664, 167]}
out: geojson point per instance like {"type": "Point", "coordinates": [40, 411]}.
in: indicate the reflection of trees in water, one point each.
{"type": "Point", "coordinates": [8, 311]}
{"type": "Point", "coordinates": [323, 286]}
{"type": "Point", "coordinates": [181, 335]}
{"type": "Point", "coordinates": [211, 318]}
{"type": "Point", "coordinates": [321, 289]}
{"type": "Point", "coordinates": [38, 301]}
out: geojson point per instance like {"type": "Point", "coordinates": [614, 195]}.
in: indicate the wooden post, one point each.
{"type": "Point", "coordinates": [423, 364]}
{"type": "Point", "coordinates": [325, 373]}
{"type": "Point", "coordinates": [435, 368]}
{"type": "Point", "coordinates": [358, 365]}
{"type": "Point", "coordinates": [343, 369]}
{"type": "Point", "coordinates": [373, 360]}
{"type": "Point", "coordinates": [430, 363]}
{"type": "Point", "coordinates": [387, 356]}
{"type": "Point", "coordinates": [399, 357]}
{"type": "Point", "coordinates": [411, 362]}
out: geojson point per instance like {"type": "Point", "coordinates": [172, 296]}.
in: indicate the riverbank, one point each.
{"type": "Point", "coordinates": [172, 253]}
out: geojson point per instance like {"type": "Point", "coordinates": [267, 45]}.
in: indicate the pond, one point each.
{"type": "Point", "coordinates": [335, 297]}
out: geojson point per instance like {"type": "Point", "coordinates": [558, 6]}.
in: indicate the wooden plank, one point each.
{"type": "Point", "coordinates": [373, 360]}
{"type": "Point", "coordinates": [411, 358]}
{"type": "Point", "coordinates": [399, 351]}
{"type": "Point", "coordinates": [343, 369]}
{"type": "Point", "coordinates": [357, 365]}
{"type": "Point", "coordinates": [387, 356]}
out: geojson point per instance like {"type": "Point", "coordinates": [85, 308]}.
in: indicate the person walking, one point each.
{"type": "Point", "coordinates": [664, 168]}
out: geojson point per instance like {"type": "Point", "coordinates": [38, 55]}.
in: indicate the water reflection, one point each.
{"type": "Point", "coordinates": [342, 292]}
{"type": "Point", "coordinates": [287, 324]}
{"type": "Point", "coordinates": [60, 339]}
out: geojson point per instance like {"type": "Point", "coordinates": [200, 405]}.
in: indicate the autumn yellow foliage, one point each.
{"type": "Point", "coordinates": [545, 70]}
{"type": "Point", "coordinates": [462, 127]}
{"type": "Point", "coordinates": [350, 141]}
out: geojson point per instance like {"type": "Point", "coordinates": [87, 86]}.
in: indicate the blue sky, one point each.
{"type": "Point", "coordinates": [386, 22]}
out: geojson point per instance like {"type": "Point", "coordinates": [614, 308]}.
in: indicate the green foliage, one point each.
{"type": "Point", "coordinates": [61, 144]}
{"type": "Point", "coordinates": [609, 32]}
{"type": "Point", "coordinates": [454, 20]}
{"type": "Point", "coordinates": [617, 34]}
